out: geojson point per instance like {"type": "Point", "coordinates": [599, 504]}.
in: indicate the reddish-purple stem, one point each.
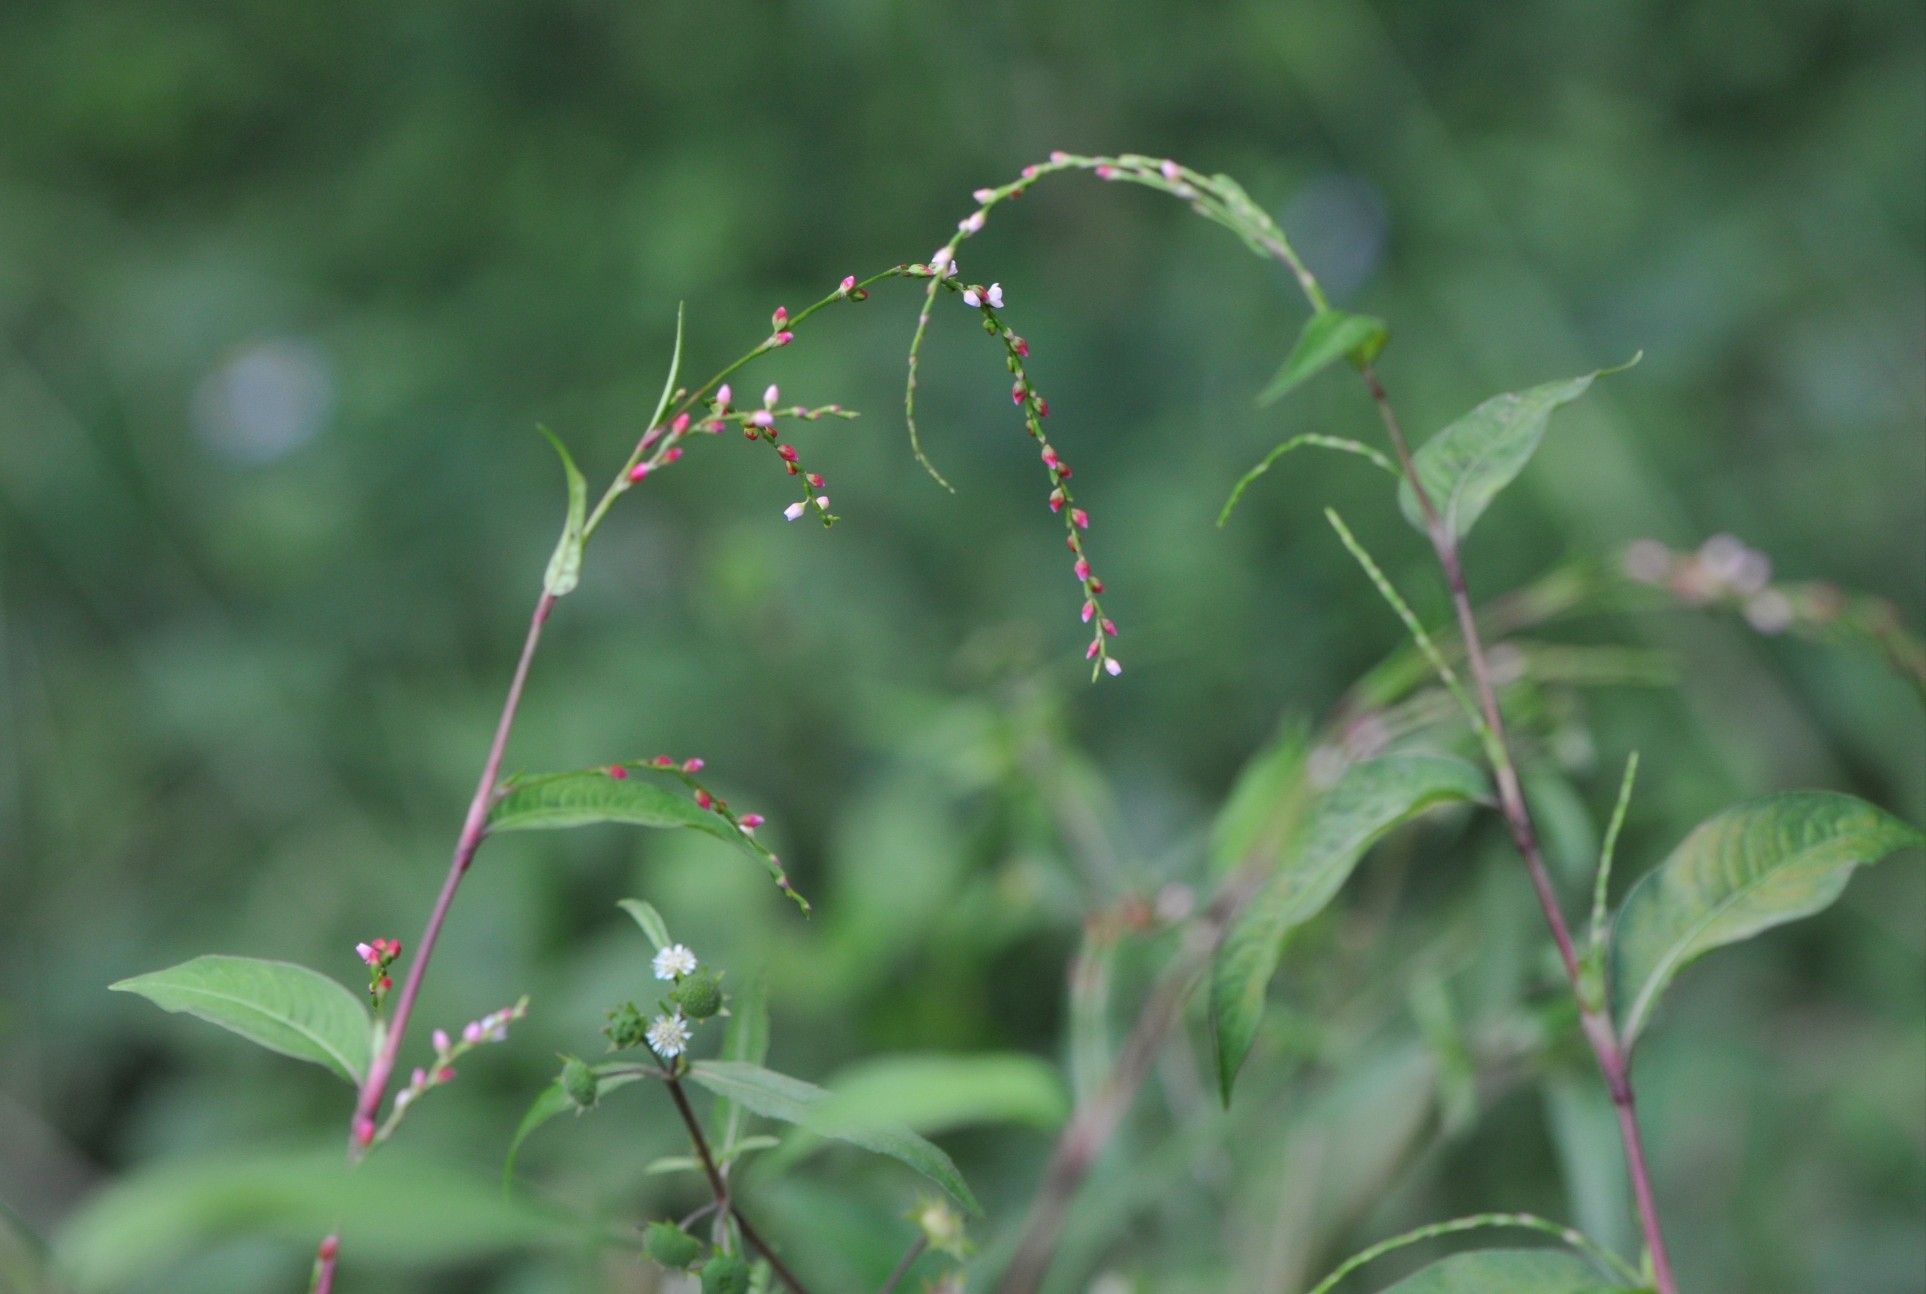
{"type": "Point", "coordinates": [473, 828]}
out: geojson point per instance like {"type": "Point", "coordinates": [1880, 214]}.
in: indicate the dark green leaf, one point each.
{"type": "Point", "coordinates": [1372, 798]}
{"type": "Point", "coordinates": [1464, 466]}
{"type": "Point", "coordinates": [1328, 336]}
{"type": "Point", "coordinates": [1739, 872]}
{"type": "Point", "coordinates": [1508, 1271]}
{"type": "Point", "coordinates": [283, 1007]}
{"type": "Point", "coordinates": [790, 1100]}
{"type": "Point", "coordinates": [565, 567]}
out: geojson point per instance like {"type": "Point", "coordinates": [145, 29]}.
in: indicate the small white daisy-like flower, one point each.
{"type": "Point", "coordinates": [673, 962]}
{"type": "Point", "coordinates": [669, 1036]}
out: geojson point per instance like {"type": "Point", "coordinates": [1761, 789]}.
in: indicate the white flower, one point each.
{"type": "Point", "coordinates": [995, 295]}
{"type": "Point", "coordinates": [940, 260]}
{"type": "Point", "coordinates": [669, 1036]}
{"type": "Point", "coordinates": [1112, 666]}
{"type": "Point", "coordinates": [791, 512]}
{"type": "Point", "coordinates": [971, 223]}
{"type": "Point", "coordinates": [822, 501]}
{"type": "Point", "coordinates": [674, 962]}
{"type": "Point", "coordinates": [770, 396]}
{"type": "Point", "coordinates": [971, 299]}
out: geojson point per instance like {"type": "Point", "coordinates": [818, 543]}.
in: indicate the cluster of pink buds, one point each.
{"type": "Point", "coordinates": [1035, 409]}
{"type": "Point", "coordinates": [491, 1028]}
{"type": "Point", "coordinates": [378, 955]}
{"type": "Point", "coordinates": [760, 424]}
{"type": "Point", "coordinates": [1722, 571]}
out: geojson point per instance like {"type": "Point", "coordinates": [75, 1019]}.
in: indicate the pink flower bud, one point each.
{"type": "Point", "coordinates": [1056, 500]}
{"type": "Point", "coordinates": [330, 1249]}
{"type": "Point", "coordinates": [1112, 666]}
{"type": "Point", "coordinates": [1058, 156]}
{"type": "Point", "coordinates": [941, 260]}
{"type": "Point", "coordinates": [1109, 628]}
{"type": "Point", "coordinates": [663, 761]}
{"type": "Point", "coordinates": [847, 285]}
{"type": "Point", "coordinates": [1016, 392]}
{"type": "Point", "coordinates": [1049, 456]}
{"type": "Point", "coordinates": [671, 454]}
{"type": "Point", "coordinates": [815, 479]}
{"type": "Point", "coordinates": [1096, 585]}
{"type": "Point", "coordinates": [723, 396]}
{"type": "Point", "coordinates": [780, 317]}
{"type": "Point", "coordinates": [681, 424]}
{"type": "Point", "coordinates": [750, 821]}
{"type": "Point", "coordinates": [693, 764]}
{"type": "Point", "coordinates": [704, 800]}
{"type": "Point", "coordinates": [1043, 407]}
{"type": "Point", "coordinates": [440, 1038]}
{"type": "Point", "coordinates": [982, 196]}
{"type": "Point", "coordinates": [639, 471]}
{"type": "Point", "coordinates": [367, 953]}
{"type": "Point", "coordinates": [822, 501]}
{"type": "Point", "coordinates": [618, 772]}
{"type": "Point", "coordinates": [1079, 518]}
{"type": "Point", "coordinates": [793, 511]}
{"type": "Point", "coordinates": [770, 394]}
{"type": "Point", "coordinates": [1021, 347]}
{"type": "Point", "coordinates": [783, 338]}
{"type": "Point", "coordinates": [971, 223]}
{"type": "Point", "coordinates": [1106, 172]}
{"type": "Point", "coordinates": [418, 1079]}
{"type": "Point", "coordinates": [364, 1131]}
{"type": "Point", "coordinates": [1169, 170]}
{"type": "Point", "coordinates": [787, 453]}
{"type": "Point", "coordinates": [1090, 653]}
{"type": "Point", "coordinates": [763, 418]}
{"type": "Point", "coordinates": [971, 298]}
{"type": "Point", "coordinates": [1082, 569]}
{"type": "Point", "coordinates": [1029, 172]}
{"type": "Point", "coordinates": [445, 1074]}
{"type": "Point", "coordinates": [1089, 609]}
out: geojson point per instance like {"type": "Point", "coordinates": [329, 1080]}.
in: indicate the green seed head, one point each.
{"type": "Point", "coordinates": [578, 1083]}
{"type": "Point", "coordinates": [725, 1274]}
{"type": "Point", "coordinates": [698, 995]}
{"type": "Point", "coordinates": [671, 1246]}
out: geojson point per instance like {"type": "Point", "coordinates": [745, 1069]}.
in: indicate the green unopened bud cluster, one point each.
{"type": "Point", "coordinates": [676, 1249]}
{"type": "Point", "coordinates": [694, 995]}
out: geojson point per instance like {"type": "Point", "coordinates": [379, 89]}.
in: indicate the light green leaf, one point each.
{"type": "Point", "coordinates": [283, 1007]}
{"type": "Point", "coordinates": [579, 799]}
{"type": "Point", "coordinates": [1508, 1271]}
{"type": "Point", "coordinates": [395, 1208]}
{"type": "Point", "coordinates": [1266, 803]}
{"type": "Point", "coordinates": [552, 1101]}
{"type": "Point", "coordinates": [936, 1093]}
{"type": "Point", "coordinates": [1739, 872]}
{"type": "Point", "coordinates": [1328, 336]}
{"type": "Point", "coordinates": [1371, 799]}
{"type": "Point", "coordinates": [745, 1039]}
{"type": "Point", "coordinates": [790, 1100]}
{"type": "Point", "coordinates": [565, 567]}
{"type": "Point", "coordinates": [1464, 466]}
{"type": "Point", "coordinates": [649, 919]}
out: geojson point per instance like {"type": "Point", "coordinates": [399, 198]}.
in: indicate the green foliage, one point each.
{"type": "Point", "coordinates": [1509, 1271]}
{"type": "Point", "coordinates": [553, 801]}
{"type": "Point", "coordinates": [791, 1100]}
{"type": "Point", "coordinates": [1328, 336]}
{"type": "Point", "coordinates": [397, 1207]}
{"type": "Point", "coordinates": [1464, 466]}
{"type": "Point", "coordinates": [725, 1274]}
{"type": "Point", "coordinates": [283, 1007]}
{"type": "Point", "coordinates": [673, 1247]}
{"type": "Point", "coordinates": [1372, 798]}
{"type": "Point", "coordinates": [563, 1095]}
{"type": "Point", "coordinates": [650, 920]}
{"type": "Point", "coordinates": [1740, 872]}
{"type": "Point", "coordinates": [565, 566]}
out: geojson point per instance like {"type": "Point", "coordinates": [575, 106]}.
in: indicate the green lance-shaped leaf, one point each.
{"type": "Point", "coordinates": [554, 1100]}
{"type": "Point", "coordinates": [650, 920]}
{"type": "Point", "coordinates": [552, 801]}
{"type": "Point", "coordinates": [283, 1007]}
{"type": "Point", "coordinates": [790, 1100]}
{"type": "Point", "coordinates": [1338, 443]}
{"type": "Point", "coordinates": [1747, 869]}
{"type": "Point", "coordinates": [565, 567]}
{"type": "Point", "coordinates": [1371, 799]}
{"type": "Point", "coordinates": [1328, 336]}
{"type": "Point", "coordinates": [1509, 1271]}
{"type": "Point", "coordinates": [1464, 466]}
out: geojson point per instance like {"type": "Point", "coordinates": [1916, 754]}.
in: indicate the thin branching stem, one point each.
{"type": "Point", "coordinates": [903, 1265]}
{"type": "Point", "coordinates": [719, 1185]}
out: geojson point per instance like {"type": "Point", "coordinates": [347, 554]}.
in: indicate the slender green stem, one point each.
{"type": "Point", "coordinates": [1416, 630]}
{"type": "Point", "coordinates": [1523, 1221]}
{"type": "Point", "coordinates": [1601, 884]}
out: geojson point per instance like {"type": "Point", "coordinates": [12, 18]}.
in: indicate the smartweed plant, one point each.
{"type": "Point", "coordinates": [1453, 720]}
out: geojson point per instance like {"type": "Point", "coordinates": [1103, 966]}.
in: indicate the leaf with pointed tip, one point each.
{"type": "Point", "coordinates": [1371, 799]}
{"type": "Point", "coordinates": [283, 1007]}
{"type": "Point", "coordinates": [565, 567]}
{"type": "Point", "coordinates": [790, 1100]}
{"type": "Point", "coordinates": [1328, 336]}
{"type": "Point", "coordinates": [552, 801]}
{"type": "Point", "coordinates": [1509, 1271]}
{"type": "Point", "coordinates": [1747, 869]}
{"type": "Point", "coordinates": [1464, 466]}
{"type": "Point", "coordinates": [649, 919]}
{"type": "Point", "coordinates": [552, 1101]}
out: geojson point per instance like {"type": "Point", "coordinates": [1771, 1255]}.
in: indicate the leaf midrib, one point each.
{"type": "Point", "coordinates": [347, 1065]}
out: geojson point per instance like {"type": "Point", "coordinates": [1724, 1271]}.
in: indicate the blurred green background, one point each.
{"type": "Point", "coordinates": [285, 288]}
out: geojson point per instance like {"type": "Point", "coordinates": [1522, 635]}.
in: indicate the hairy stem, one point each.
{"type": "Point", "coordinates": [1593, 1015]}
{"type": "Point", "coordinates": [719, 1185]}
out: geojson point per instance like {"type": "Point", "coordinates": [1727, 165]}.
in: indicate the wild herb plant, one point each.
{"type": "Point", "coordinates": [1294, 831]}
